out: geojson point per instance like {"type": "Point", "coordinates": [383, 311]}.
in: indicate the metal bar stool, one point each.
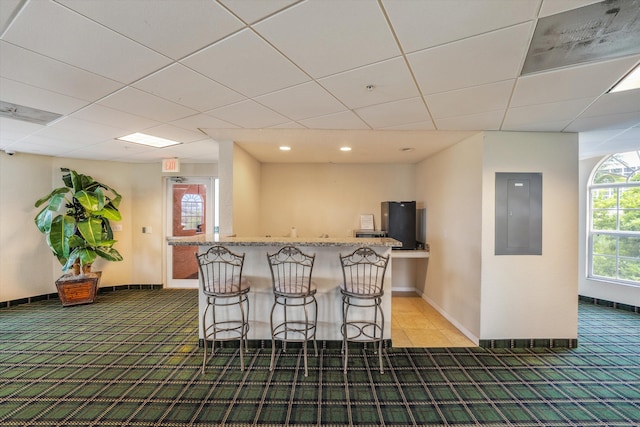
{"type": "Point", "coordinates": [224, 287]}
{"type": "Point", "coordinates": [293, 290]}
{"type": "Point", "coordinates": [363, 272]}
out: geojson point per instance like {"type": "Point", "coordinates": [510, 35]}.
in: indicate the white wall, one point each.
{"type": "Point", "coordinates": [246, 193]}
{"type": "Point", "coordinates": [225, 186]}
{"type": "Point", "coordinates": [600, 289]}
{"type": "Point", "coordinates": [27, 267]}
{"type": "Point", "coordinates": [450, 184]}
{"type": "Point", "coordinates": [502, 297]}
{"type": "Point", "coordinates": [321, 198]}
{"type": "Point", "coordinates": [148, 248]}
{"type": "Point", "coordinates": [25, 260]}
{"type": "Point", "coordinates": [532, 296]}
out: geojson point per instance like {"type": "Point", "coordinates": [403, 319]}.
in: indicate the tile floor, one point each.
{"type": "Point", "coordinates": [415, 323]}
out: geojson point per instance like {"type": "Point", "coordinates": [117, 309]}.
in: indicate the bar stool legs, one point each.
{"type": "Point", "coordinates": [362, 330]}
{"type": "Point", "coordinates": [289, 330]}
{"type": "Point", "coordinates": [293, 292]}
{"type": "Point", "coordinates": [228, 329]}
{"type": "Point", "coordinates": [225, 289]}
{"type": "Point", "coordinates": [362, 290]}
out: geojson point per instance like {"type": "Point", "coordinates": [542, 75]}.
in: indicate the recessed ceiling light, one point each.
{"type": "Point", "coordinates": [285, 148]}
{"type": "Point", "coordinates": [628, 82]}
{"type": "Point", "coordinates": [345, 148]}
{"type": "Point", "coordinates": [150, 140]}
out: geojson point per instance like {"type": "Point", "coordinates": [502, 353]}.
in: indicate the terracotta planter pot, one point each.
{"type": "Point", "coordinates": [74, 290]}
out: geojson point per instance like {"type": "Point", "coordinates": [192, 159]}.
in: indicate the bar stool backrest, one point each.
{"type": "Point", "coordinates": [220, 271]}
{"type": "Point", "coordinates": [363, 272]}
{"type": "Point", "coordinates": [291, 271]}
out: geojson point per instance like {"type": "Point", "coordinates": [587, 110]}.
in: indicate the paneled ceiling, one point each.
{"type": "Point", "coordinates": [397, 80]}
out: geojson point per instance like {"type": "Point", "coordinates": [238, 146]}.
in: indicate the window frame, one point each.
{"type": "Point", "coordinates": [200, 207]}
{"type": "Point", "coordinates": [617, 233]}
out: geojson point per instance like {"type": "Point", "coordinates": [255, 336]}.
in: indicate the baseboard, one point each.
{"type": "Point", "coordinates": [54, 296]}
{"type": "Point", "coordinates": [530, 343]}
{"type": "Point", "coordinates": [610, 304]}
{"type": "Point", "coordinates": [322, 344]}
{"type": "Point", "coordinates": [107, 289]}
{"type": "Point", "coordinates": [453, 321]}
{"type": "Point", "coordinates": [403, 289]}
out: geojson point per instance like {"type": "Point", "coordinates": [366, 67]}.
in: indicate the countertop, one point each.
{"type": "Point", "coordinates": [211, 239]}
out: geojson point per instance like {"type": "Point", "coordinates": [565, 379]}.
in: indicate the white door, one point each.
{"type": "Point", "coordinates": [190, 212]}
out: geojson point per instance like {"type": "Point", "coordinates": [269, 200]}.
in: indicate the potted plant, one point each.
{"type": "Point", "coordinates": [76, 222]}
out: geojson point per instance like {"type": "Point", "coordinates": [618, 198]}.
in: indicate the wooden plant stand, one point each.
{"type": "Point", "coordinates": [74, 290]}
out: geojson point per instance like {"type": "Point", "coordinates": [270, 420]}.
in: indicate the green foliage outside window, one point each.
{"type": "Point", "coordinates": [615, 219]}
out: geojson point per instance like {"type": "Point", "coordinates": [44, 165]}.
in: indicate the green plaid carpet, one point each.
{"type": "Point", "coordinates": [132, 359]}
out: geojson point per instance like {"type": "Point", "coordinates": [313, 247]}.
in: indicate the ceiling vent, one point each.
{"type": "Point", "coordinates": [27, 114]}
{"type": "Point", "coordinates": [605, 30]}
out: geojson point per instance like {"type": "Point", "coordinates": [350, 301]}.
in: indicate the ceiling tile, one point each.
{"type": "Point", "coordinates": [30, 96]}
{"type": "Point", "coordinates": [476, 99]}
{"type": "Point", "coordinates": [8, 10]}
{"type": "Point", "coordinates": [518, 118]}
{"type": "Point", "coordinates": [66, 138]}
{"type": "Point", "coordinates": [251, 11]}
{"type": "Point", "coordinates": [483, 121]}
{"type": "Point", "coordinates": [596, 137]}
{"type": "Point", "coordinates": [153, 155]}
{"type": "Point", "coordinates": [424, 125]}
{"type": "Point", "coordinates": [43, 146]}
{"type": "Point", "coordinates": [158, 26]}
{"type": "Point", "coordinates": [63, 55]}
{"type": "Point", "coordinates": [570, 83]}
{"type": "Point", "coordinates": [36, 70]}
{"type": "Point", "coordinates": [550, 126]}
{"type": "Point", "coordinates": [288, 125]}
{"type": "Point", "coordinates": [250, 65]}
{"type": "Point", "coordinates": [608, 121]}
{"type": "Point", "coordinates": [109, 150]}
{"type": "Point", "coordinates": [202, 121]}
{"type": "Point", "coordinates": [89, 131]}
{"type": "Point", "coordinates": [183, 86]}
{"type": "Point", "coordinates": [320, 45]}
{"type": "Point", "coordinates": [77, 41]}
{"type": "Point", "coordinates": [551, 7]}
{"type": "Point", "coordinates": [423, 24]}
{"type": "Point", "coordinates": [483, 59]}
{"type": "Point", "coordinates": [175, 133]}
{"type": "Point", "coordinates": [100, 114]}
{"type": "Point", "coordinates": [611, 103]}
{"type": "Point", "coordinates": [342, 120]}
{"type": "Point", "coordinates": [394, 113]}
{"type": "Point", "coordinates": [194, 151]}
{"type": "Point", "coordinates": [302, 101]}
{"type": "Point", "coordinates": [135, 101]}
{"type": "Point", "coordinates": [12, 130]}
{"type": "Point", "coordinates": [605, 30]}
{"type": "Point", "coordinates": [248, 114]}
{"type": "Point", "coordinates": [391, 81]}
{"type": "Point", "coordinates": [604, 142]}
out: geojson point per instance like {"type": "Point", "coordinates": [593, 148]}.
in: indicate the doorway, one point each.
{"type": "Point", "coordinates": [190, 212]}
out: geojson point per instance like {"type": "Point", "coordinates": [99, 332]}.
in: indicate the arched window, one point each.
{"type": "Point", "coordinates": [192, 211]}
{"type": "Point", "coordinates": [614, 213]}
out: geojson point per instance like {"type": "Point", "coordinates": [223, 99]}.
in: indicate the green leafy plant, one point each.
{"type": "Point", "coordinates": [75, 220]}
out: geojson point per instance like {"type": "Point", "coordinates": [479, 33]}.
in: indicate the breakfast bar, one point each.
{"type": "Point", "coordinates": [327, 274]}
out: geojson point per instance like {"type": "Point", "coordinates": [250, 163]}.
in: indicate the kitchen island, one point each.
{"type": "Point", "coordinates": [327, 273]}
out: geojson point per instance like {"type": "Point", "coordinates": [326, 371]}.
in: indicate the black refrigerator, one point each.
{"type": "Point", "coordinates": [399, 221]}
